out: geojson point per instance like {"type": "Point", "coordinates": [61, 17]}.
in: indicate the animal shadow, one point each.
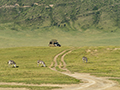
{"type": "Point", "coordinates": [15, 67]}
{"type": "Point", "coordinates": [43, 66]}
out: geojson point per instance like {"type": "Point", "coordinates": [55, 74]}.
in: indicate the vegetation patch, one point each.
{"type": "Point", "coordinates": [27, 70]}
{"type": "Point", "coordinates": [74, 15]}
{"type": "Point", "coordinates": [29, 87]}
{"type": "Point", "coordinates": [102, 61]}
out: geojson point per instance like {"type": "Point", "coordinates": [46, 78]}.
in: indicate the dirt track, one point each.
{"type": "Point", "coordinates": [90, 82]}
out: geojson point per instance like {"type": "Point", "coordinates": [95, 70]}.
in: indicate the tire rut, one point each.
{"type": "Point", "coordinates": [90, 82]}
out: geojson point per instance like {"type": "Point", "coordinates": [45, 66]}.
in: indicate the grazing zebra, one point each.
{"type": "Point", "coordinates": [41, 62]}
{"type": "Point", "coordinates": [11, 62]}
{"type": "Point", "coordinates": [85, 59]}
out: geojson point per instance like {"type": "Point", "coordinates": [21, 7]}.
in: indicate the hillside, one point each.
{"type": "Point", "coordinates": [70, 14]}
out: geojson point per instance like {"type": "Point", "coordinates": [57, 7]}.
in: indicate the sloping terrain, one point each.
{"type": "Point", "coordinates": [72, 15]}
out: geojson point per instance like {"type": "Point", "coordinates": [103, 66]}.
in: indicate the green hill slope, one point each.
{"type": "Point", "coordinates": [77, 14]}
{"type": "Point", "coordinates": [72, 23]}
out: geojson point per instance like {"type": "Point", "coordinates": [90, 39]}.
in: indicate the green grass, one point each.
{"type": "Point", "coordinates": [74, 24]}
{"type": "Point", "coordinates": [75, 15]}
{"type": "Point", "coordinates": [102, 61]}
{"type": "Point", "coordinates": [28, 71]}
{"type": "Point", "coordinates": [41, 37]}
{"type": "Point", "coordinates": [58, 69]}
{"type": "Point", "coordinates": [59, 61]}
{"type": "Point", "coordinates": [29, 87]}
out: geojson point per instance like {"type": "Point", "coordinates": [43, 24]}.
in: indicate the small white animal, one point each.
{"type": "Point", "coordinates": [41, 62]}
{"type": "Point", "coordinates": [11, 62]}
{"type": "Point", "coordinates": [85, 59]}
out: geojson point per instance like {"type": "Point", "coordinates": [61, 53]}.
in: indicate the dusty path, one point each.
{"type": "Point", "coordinates": [91, 82]}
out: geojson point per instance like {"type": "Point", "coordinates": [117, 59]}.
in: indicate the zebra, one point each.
{"type": "Point", "coordinates": [85, 59]}
{"type": "Point", "coordinates": [41, 62]}
{"type": "Point", "coordinates": [11, 62]}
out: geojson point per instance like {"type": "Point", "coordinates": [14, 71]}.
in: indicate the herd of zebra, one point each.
{"type": "Point", "coordinates": [11, 62]}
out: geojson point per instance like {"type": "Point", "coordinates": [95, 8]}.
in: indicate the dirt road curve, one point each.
{"type": "Point", "coordinates": [90, 82]}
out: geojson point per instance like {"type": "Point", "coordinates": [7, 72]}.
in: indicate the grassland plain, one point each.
{"type": "Point", "coordinates": [102, 61]}
{"type": "Point", "coordinates": [66, 37]}
{"type": "Point", "coordinates": [74, 23]}
{"type": "Point", "coordinates": [28, 71]}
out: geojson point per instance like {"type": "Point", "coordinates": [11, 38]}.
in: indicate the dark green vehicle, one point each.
{"type": "Point", "coordinates": [54, 43]}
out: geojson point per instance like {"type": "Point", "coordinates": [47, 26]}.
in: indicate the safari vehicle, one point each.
{"type": "Point", "coordinates": [54, 43]}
